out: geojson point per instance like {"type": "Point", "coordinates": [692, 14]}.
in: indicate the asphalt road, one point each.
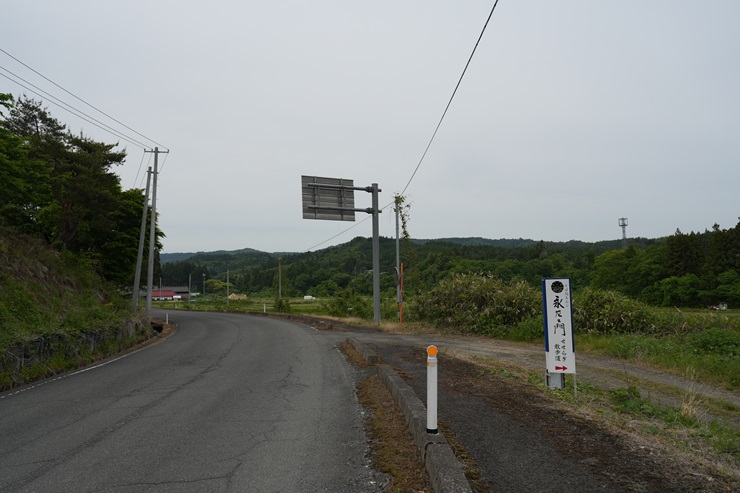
{"type": "Point", "coordinates": [227, 403]}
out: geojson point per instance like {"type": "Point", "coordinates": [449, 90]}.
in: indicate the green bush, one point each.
{"type": "Point", "coordinates": [282, 305]}
{"type": "Point", "coordinates": [530, 330]}
{"type": "Point", "coordinates": [347, 303]}
{"type": "Point", "coordinates": [478, 303]}
{"type": "Point", "coordinates": [609, 312]}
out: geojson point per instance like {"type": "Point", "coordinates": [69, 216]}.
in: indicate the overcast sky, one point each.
{"type": "Point", "coordinates": [572, 114]}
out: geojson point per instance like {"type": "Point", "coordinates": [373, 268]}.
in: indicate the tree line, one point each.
{"type": "Point", "coordinates": [60, 187]}
{"type": "Point", "coordinates": [695, 269]}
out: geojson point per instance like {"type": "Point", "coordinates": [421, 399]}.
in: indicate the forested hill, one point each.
{"type": "Point", "coordinates": [477, 241]}
{"type": "Point", "coordinates": [206, 257]}
{"type": "Point", "coordinates": [599, 246]}
{"type": "Point", "coordinates": [180, 256]}
{"type": "Point", "coordinates": [693, 269]}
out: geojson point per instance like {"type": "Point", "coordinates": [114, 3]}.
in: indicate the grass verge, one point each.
{"type": "Point", "coordinates": [713, 355]}
{"type": "Point", "coordinates": [392, 447]}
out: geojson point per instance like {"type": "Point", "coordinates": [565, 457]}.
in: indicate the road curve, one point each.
{"type": "Point", "coordinates": [228, 403]}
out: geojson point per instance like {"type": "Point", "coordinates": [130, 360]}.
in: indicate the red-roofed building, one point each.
{"type": "Point", "coordinates": [163, 295]}
{"type": "Point", "coordinates": [168, 293]}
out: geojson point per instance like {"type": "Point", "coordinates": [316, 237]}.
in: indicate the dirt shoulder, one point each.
{"type": "Point", "coordinates": [594, 370]}
{"type": "Point", "coordinates": [525, 438]}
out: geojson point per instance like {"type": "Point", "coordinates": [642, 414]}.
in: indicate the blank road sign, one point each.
{"type": "Point", "coordinates": [328, 198]}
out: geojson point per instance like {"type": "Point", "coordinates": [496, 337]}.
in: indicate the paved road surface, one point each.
{"type": "Point", "coordinates": [227, 403]}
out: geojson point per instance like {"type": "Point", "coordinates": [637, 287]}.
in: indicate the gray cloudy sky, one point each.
{"type": "Point", "coordinates": [572, 114]}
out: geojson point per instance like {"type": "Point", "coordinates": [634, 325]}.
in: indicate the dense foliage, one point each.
{"type": "Point", "coordinates": [685, 270]}
{"type": "Point", "coordinates": [478, 303]}
{"type": "Point", "coordinates": [696, 269]}
{"type": "Point", "coordinates": [610, 312]}
{"type": "Point", "coordinates": [61, 188]}
{"type": "Point", "coordinates": [69, 237]}
{"type": "Point", "coordinates": [55, 312]}
{"type": "Point", "coordinates": [43, 291]}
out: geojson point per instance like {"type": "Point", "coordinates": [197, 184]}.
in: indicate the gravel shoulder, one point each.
{"type": "Point", "coordinates": [599, 371]}
{"type": "Point", "coordinates": [524, 439]}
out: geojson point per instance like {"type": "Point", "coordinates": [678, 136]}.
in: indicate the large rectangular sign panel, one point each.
{"type": "Point", "coordinates": [558, 309]}
{"type": "Point", "coordinates": [328, 198]}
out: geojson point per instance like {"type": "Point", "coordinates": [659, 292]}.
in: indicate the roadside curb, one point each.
{"type": "Point", "coordinates": [370, 356]}
{"type": "Point", "coordinates": [444, 470]}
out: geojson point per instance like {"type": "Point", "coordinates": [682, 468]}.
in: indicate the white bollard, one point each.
{"type": "Point", "coordinates": [432, 390]}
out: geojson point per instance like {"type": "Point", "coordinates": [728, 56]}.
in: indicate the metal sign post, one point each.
{"type": "Point", "coordinates": [333, 199]}
{"type": "Point", "coordinates": [559, 341]}
{"type": "Point", "coordinates": [376, 254]}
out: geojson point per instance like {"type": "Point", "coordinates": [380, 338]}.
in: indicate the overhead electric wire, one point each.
{"type": "Point", "coordinates": [143, 154]}
{"type": "Point", "coordinates": [59, 101]}
{"type": "Point", "coordinates": [82, 100]}
{"type": "Point", "coordinates": [451, 98]}
{"type": "Point", "coordinates": [76, 112]}
{"type": "Point", "coordinates": [164, 161]}
{"type": "Point", "coordinates": [338, 234]}
{"type": "Point", "coordinates": [439, 124]}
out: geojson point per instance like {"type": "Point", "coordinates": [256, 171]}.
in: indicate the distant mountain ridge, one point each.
{"type": "Point", "coordinates": [179, 256]}
{"type": "Point", "coordinates": [477, 240]}
{"type": "Point", "coordinates": [462, 241]}
{"type": "Point", "coordinates": [503, 242]}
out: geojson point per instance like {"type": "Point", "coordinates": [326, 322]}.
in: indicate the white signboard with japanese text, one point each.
{"type": "Point", "coordinates": [558, 309]}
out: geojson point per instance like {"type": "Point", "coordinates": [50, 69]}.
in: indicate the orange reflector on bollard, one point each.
{"type": "Point", "coordinates": [432, 351]}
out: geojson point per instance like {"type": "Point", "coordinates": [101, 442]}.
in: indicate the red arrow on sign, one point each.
{"type": "Point", "coordinates": [563, 368]}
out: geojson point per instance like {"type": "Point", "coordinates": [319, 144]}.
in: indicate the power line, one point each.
{"type": "Point", "coordinates": [435, 130]}
{"type": "Point", "coordinates": [451, 98]}
{"type": "Point", "coordinates": [74, 110]}
{"type": "Point", "coordinates": [339, 234]}
{"type": "Point", "coordinates": [143, 154]}
{"type": "Point", "coordinates": [164, 161]}
{"type": "Point", "coordinates": [351, 227]}
{"type": "Point", "coordinates": [82, 100]}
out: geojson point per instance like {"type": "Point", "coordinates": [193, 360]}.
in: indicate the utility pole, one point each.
{"type": "Point", "coordinates": [227, 287]}
{"type": "Point", "coordinates": [623, 225]}
{"type": "Point", "coordinates": [190, 291]}
{"type": "Point", "coordinates": [142, 236]}
{"type": "Point", "coordinates": [398, 257]}
{"type": "Point", "coordinates": [152, 238]}
{"type": "Point", "coordinates": [152, 241]}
